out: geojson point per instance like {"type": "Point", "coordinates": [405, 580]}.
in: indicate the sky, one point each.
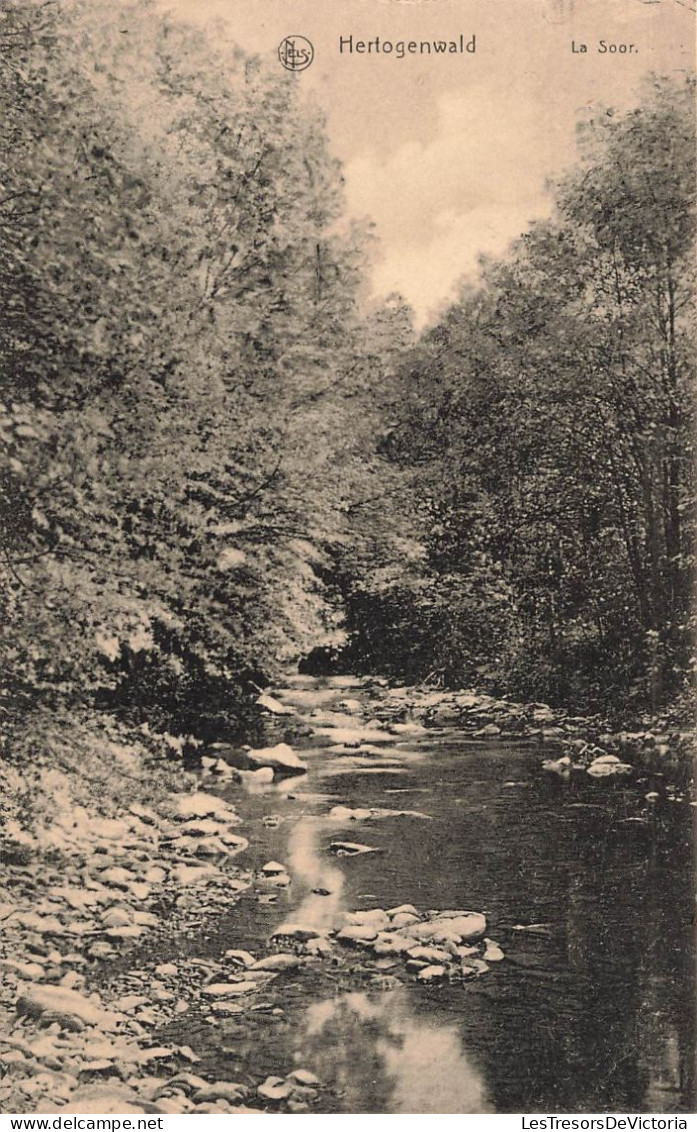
{"type": "Point", "coordinates": [451, 155]}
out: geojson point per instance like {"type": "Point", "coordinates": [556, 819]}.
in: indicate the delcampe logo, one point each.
{"type": "Point", "coordinates": [295, 52]}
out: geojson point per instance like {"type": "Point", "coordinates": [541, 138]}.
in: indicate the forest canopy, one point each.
{"type": "Point", "coordinates": [548, 419]}
{"type": "Point", "coordinates": [218, 453]}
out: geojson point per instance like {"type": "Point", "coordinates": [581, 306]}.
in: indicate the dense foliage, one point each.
{"type": "Point", "coordinates": [548, 419]}
{"type": "Point", "coordinates": [183, 360]}
{"type": "Point", "coordinates": [217, 454]}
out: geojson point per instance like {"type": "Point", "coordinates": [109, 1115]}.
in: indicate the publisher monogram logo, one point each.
{"type": "Point", "coordinates": [296, 52]}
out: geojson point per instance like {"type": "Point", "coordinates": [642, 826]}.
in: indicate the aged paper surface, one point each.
{"type": "Point", "coordinates": [347, 517]}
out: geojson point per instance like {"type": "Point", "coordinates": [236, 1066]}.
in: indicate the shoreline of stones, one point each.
{"type": "Point", "coordinates": [66, 1046]}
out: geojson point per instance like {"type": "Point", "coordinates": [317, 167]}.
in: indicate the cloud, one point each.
{"type": "Point", "coordinates": [470, 188]}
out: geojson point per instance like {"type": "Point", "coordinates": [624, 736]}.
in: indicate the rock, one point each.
{"type": "Point", "coordinates": [69, 1007]}
{"type": "Point", "coordinates": [304, 1077]}
{"type": "Point", "coordinates": [492, 953]}
{"type": "Point", "coordinates": [201, 805]}
{"type": "Point", "coordinates": [234, 844]}
{"type": "Point", "coordinates": [26, 970]}
{"type": "Point", "coordinates": [174, 1105]}
{"type": "Point", "coordinates": [393, 943]}
{"type": "Point", "coordinates": [279, 880]}
{"type": "Point", "coordinates": [282, 759]}
{"type": "Point", "coordinates": [167, 969]}
{"type": "Point", "coordinates": [117, 877]}
{"type": "Point", "coordinates": [156, 1053]}
{"type": "Point", "coordinates": [193, 874]}
{"type": "Point", "coordinates": [107, 1101]}
{"type": "Point", "coordinates": [100, 950]}
{"type": "Point", "coordinates": [130, 1002]}
{"type": "Point", "coordinates": [273, 707]}
{"type": "Point", "coordinates": [357, 933]}
{"type": "Point", "coordinates": [299, 932]}
{"type": "Point", "coordinates": [221, 768]}
{"type": "Point", "coordinates": [351, 848]}
{"type": "Point", "coordinates": [117, 918]}
{"type": "Point", "coordinates": [489, 729]}
{"type": "Point", "coordinates": [403, 919]}
{"type": "Point", "coordinates": [435, 932]}
{"type": "Point", "coordinates": [470, 926]}
{"type": "Point", "coordinates": [72, 979]}
{"type": "Point", "coordinates": [273, 868]}
{"type": "Point", "coordinates": [240, 958]}
{"type": "Point", "coordinates": [144, 813]}
{"type": "Point", "coordinates": [319, 946]}
{"type": "Point", "coordinates": [562, 766]}
{"type": "Point", "coordinates": [350, 736]}
{"type": "Point", "coordinates": [343, 813]}
{"type": "Point", "coordinates": [479, 965]}
{"type": "Point", "coordinates": [226, 1007]}
{"type": "Point", "coordinates": [44, 925]}
{"type": "Point", "coordinates": [431, 974]}
{"type": "Point", "coordinates": [221, 1090]}
{"type": "Point", "coordinates": [283, 961]}
{"type": "Point", "coordinates": [202, 827]}
{"type": "Point", "coordinates": [228, 990]}
{"type": "Point", "coordinates": [468, 700]}
{"type": "Point", "coordinates": [100, 1068]}
{"type": "Point", "coordinates": [139, 890]}
{"type": "Point", "coordinates": [429, 954]}
{"type": "Point", "coordinates": [133, 931]}
{"type": "Point", "coordinates": [408, 909]}
{"type": "Point", "coordinates": [607, 766]}
{"type": "Point", "coordinates": [77, 898]}
{"type": "Point", "coordinates": [156, 875]}
{"type": "Point", "coordinates": [275, 1089]}
{"type": "Point", "coordinates": [251, 778]}
{"type": "Point", "coordinates": [209, 847]}
{"type": "Point", "coordinates": [187, 1081]}
{"type": "Point", "coordinates": [375, 917]}
{"type": "Point", "coordinates": [351, 706]}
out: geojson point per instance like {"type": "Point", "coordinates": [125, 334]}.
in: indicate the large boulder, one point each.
{"type": "Point", "coordinates": [282, 760]}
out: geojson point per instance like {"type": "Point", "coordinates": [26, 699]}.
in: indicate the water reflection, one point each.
{"type": "Point", "coordinates": [313, 869]}
{"type": "Point", "coordinates": [596, 1013]}
{"type": "Point", "coordinates": [384, 1058]}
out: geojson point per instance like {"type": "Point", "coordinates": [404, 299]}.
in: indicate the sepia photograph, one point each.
{"type": "Point", "coordinates": [348, 662]}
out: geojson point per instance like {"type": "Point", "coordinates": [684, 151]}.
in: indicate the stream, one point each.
{"type": "Point", "coordinates": [592, 1008]}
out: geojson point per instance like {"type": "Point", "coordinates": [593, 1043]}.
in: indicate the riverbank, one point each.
{"type": "Point", "coordinates": [129, 884]}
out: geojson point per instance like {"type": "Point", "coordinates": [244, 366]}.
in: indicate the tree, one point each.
{"type": "Point", "coordinates": [182, 305]}
{"type": "Point", "coordinates": [549, 417]}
